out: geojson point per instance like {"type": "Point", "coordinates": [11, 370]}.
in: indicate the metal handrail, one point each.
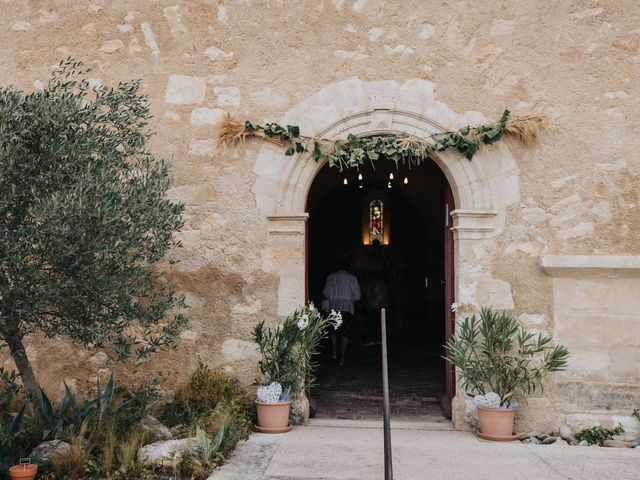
{"type": "Point", "coordinates": [386, 415]}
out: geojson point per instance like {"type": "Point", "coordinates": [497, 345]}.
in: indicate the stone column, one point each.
{"type": "Point", "coordinates": [287, 255]}
{"type": "Point", "coordinates": [287, 259]}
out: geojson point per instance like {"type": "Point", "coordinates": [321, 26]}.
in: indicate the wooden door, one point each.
{"type": "Point", "coordinates": [449, 298]}
{"type": "Point", "coordinates": [306, 262]}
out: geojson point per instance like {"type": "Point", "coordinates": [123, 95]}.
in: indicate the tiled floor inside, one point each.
{"type": "Point", "coordinates": [354, 390]}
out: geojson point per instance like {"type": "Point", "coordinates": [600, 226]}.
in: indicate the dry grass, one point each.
{"type": "Point", "coordinates": [410, 141]}
{"type": "Point", "coordinates": [231, 131]}
{"type": "Point", "coordinates": [79, 451]}
{"type": "Point", "coordinates": [108, 455]}
{"type": "Point", "coordinates": [129, 447]}
{"type": "Point", "coordinates": [527, 128]}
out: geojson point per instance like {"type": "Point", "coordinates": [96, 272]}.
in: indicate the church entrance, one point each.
{"type": "Point", "coordinates": [393, 228]}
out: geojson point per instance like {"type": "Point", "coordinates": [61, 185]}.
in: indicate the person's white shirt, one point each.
{"type": "Point", "coordinates": [342, 290]}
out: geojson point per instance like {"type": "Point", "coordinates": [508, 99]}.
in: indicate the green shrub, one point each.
{"type": "Point", "coordinates": [215, 440]}
{"type": "Point", "coordinates": [597, 435]}
{"type": "Point", "coordinates": [206, 391]}
{"type": "Point", "coordinates": [494, 354]}
{"type": "Point", "coordinates": [636, 413]}
{"type": "Point", "coordinates": [134, 406]}
{"type": "Point", "coordinates": [105, 435]}
{"type": "Point", "coordinates": [218, 410]}
{"type": "Point", "coordinates": [207, 388]}
{"type": "Point", "coordinates": [103, 432]}
{"type": "Point", "coordinates": [201, 462]}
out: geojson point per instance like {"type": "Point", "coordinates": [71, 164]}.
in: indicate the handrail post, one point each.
{"type": "Point", "coordinates": [386, 416]}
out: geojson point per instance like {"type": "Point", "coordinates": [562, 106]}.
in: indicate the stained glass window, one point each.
{"type": "Point", "coordinates": [376, 221]}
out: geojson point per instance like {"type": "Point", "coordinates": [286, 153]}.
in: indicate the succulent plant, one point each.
{"type": "Point", "coordinates": [269, 393]}
{"type": "Point", "coordinates": [488, 400]}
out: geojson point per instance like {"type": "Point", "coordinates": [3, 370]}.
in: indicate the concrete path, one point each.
{"type": "Point", "coordinates": [353, 450]}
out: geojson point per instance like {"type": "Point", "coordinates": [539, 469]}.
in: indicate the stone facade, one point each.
{"type": "Point", "coordinates": [549, 232]}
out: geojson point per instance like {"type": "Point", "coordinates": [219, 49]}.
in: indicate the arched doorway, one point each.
{"type": "Point", "coordinates": [401, 259]}
{"type": "Point", "coordinates": [483, 188]}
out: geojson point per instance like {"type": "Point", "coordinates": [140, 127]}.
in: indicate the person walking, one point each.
{"type": "Point", "coordinates": [342, 290]}
{"type": "Point", "coordinates": [376, 298]}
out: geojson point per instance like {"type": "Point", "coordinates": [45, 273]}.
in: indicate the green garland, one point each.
{"type": "Point", "coordinates": [401, 149]}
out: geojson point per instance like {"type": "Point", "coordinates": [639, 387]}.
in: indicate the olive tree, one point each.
{"type": "Point", "coordinates": [85, 221]}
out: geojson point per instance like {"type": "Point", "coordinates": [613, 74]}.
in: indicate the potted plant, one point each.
{"type": "Point", "coordinates": [287, 363]}
{"type": "Point", "coordinates": [25, 470]}
{"type": "Point", "coordinates": [500, 362]}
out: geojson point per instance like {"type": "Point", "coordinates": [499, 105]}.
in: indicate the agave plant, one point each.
{"type": "Point", "coordinates": [70, 413]}
{"type": "Point", "coordinates": [203, 459]}
{"type": "Point", "coordinates": [495, 354]}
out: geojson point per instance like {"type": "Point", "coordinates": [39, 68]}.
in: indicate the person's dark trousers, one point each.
{"type": "Point", "coordinates": [373, 326]}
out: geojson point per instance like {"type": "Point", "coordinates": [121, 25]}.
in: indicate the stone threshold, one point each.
{"type": "Point", "coordinates": [437, 423]}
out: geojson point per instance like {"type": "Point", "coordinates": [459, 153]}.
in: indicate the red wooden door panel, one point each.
{"type": "Point", "coordinates": [449, 298]}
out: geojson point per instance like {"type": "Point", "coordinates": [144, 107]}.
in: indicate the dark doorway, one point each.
{"type": "Point", "coordinates": [410, 262]}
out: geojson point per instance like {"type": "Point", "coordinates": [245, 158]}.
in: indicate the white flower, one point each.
{"type": "Point", "coordinates": [463, 308]}
{"type": "Point", "coordinates": [312, 307]}
{"type": "Point", "coordinates": [303, 322]}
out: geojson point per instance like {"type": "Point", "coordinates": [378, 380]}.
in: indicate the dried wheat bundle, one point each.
{"type": "Point", "coordinates": [527, 128]}
{"type": "Point", "coordinates": [410, 142]}
{"type": "Point", "coordinates": [232, 131]}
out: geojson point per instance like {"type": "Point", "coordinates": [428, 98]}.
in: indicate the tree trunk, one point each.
{"type": "Point", "coordinates": [19, 354]}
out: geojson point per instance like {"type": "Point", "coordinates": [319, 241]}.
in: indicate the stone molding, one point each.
{"type": "Point", "coordinates": [287, 224]}
{"type": "Point", "coordinates": [591, 265]}
{"type": "Point", "coordinates": [474, 224]}
{"type": "Point", "coordinates": [486, 184]}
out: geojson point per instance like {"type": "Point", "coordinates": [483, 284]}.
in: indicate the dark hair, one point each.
{"type": "Point", "coordinates": [344, 262]}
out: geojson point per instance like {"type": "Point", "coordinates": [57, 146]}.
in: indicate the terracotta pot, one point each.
{"type": "Point", "coordinates": [496, 422]}
{"type": "Point", "coordinates": [273, 417]}
{"type": "Point", "coordinates": [25, 471]}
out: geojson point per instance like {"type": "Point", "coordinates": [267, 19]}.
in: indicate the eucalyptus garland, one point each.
{"type": "Point", "coordinates": [406, 149]}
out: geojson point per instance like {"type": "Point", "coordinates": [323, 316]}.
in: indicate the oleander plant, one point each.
{"type": "Point", "coordinates": [494, 354]}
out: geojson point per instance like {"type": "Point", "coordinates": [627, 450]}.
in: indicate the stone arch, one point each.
{"type": "Point", "coordinates": [387, 107]}
{"type": "Point", "coordinates": [468, 182]}
{"type": "Point", "coordinates": [482, 188]}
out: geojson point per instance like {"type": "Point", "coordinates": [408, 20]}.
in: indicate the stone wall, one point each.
{"type": "Point", "coordinates": [596, 305]}
{"type": "Point", "coordinates": [574, 194]}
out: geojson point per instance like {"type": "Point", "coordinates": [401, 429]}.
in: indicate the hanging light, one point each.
{"type": "Point", "coordinates": [406, 181]}
{"type": "Point", "coordinates": [360, 176]}
{"type": "Point", "coordinates": [389, 185]}
{"type": "Point", "coordinates": [360, 186]}
{"type": "Point", "coordinates": [345, 182]}
{"type": "Point", "coordinates": [391, 176]}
